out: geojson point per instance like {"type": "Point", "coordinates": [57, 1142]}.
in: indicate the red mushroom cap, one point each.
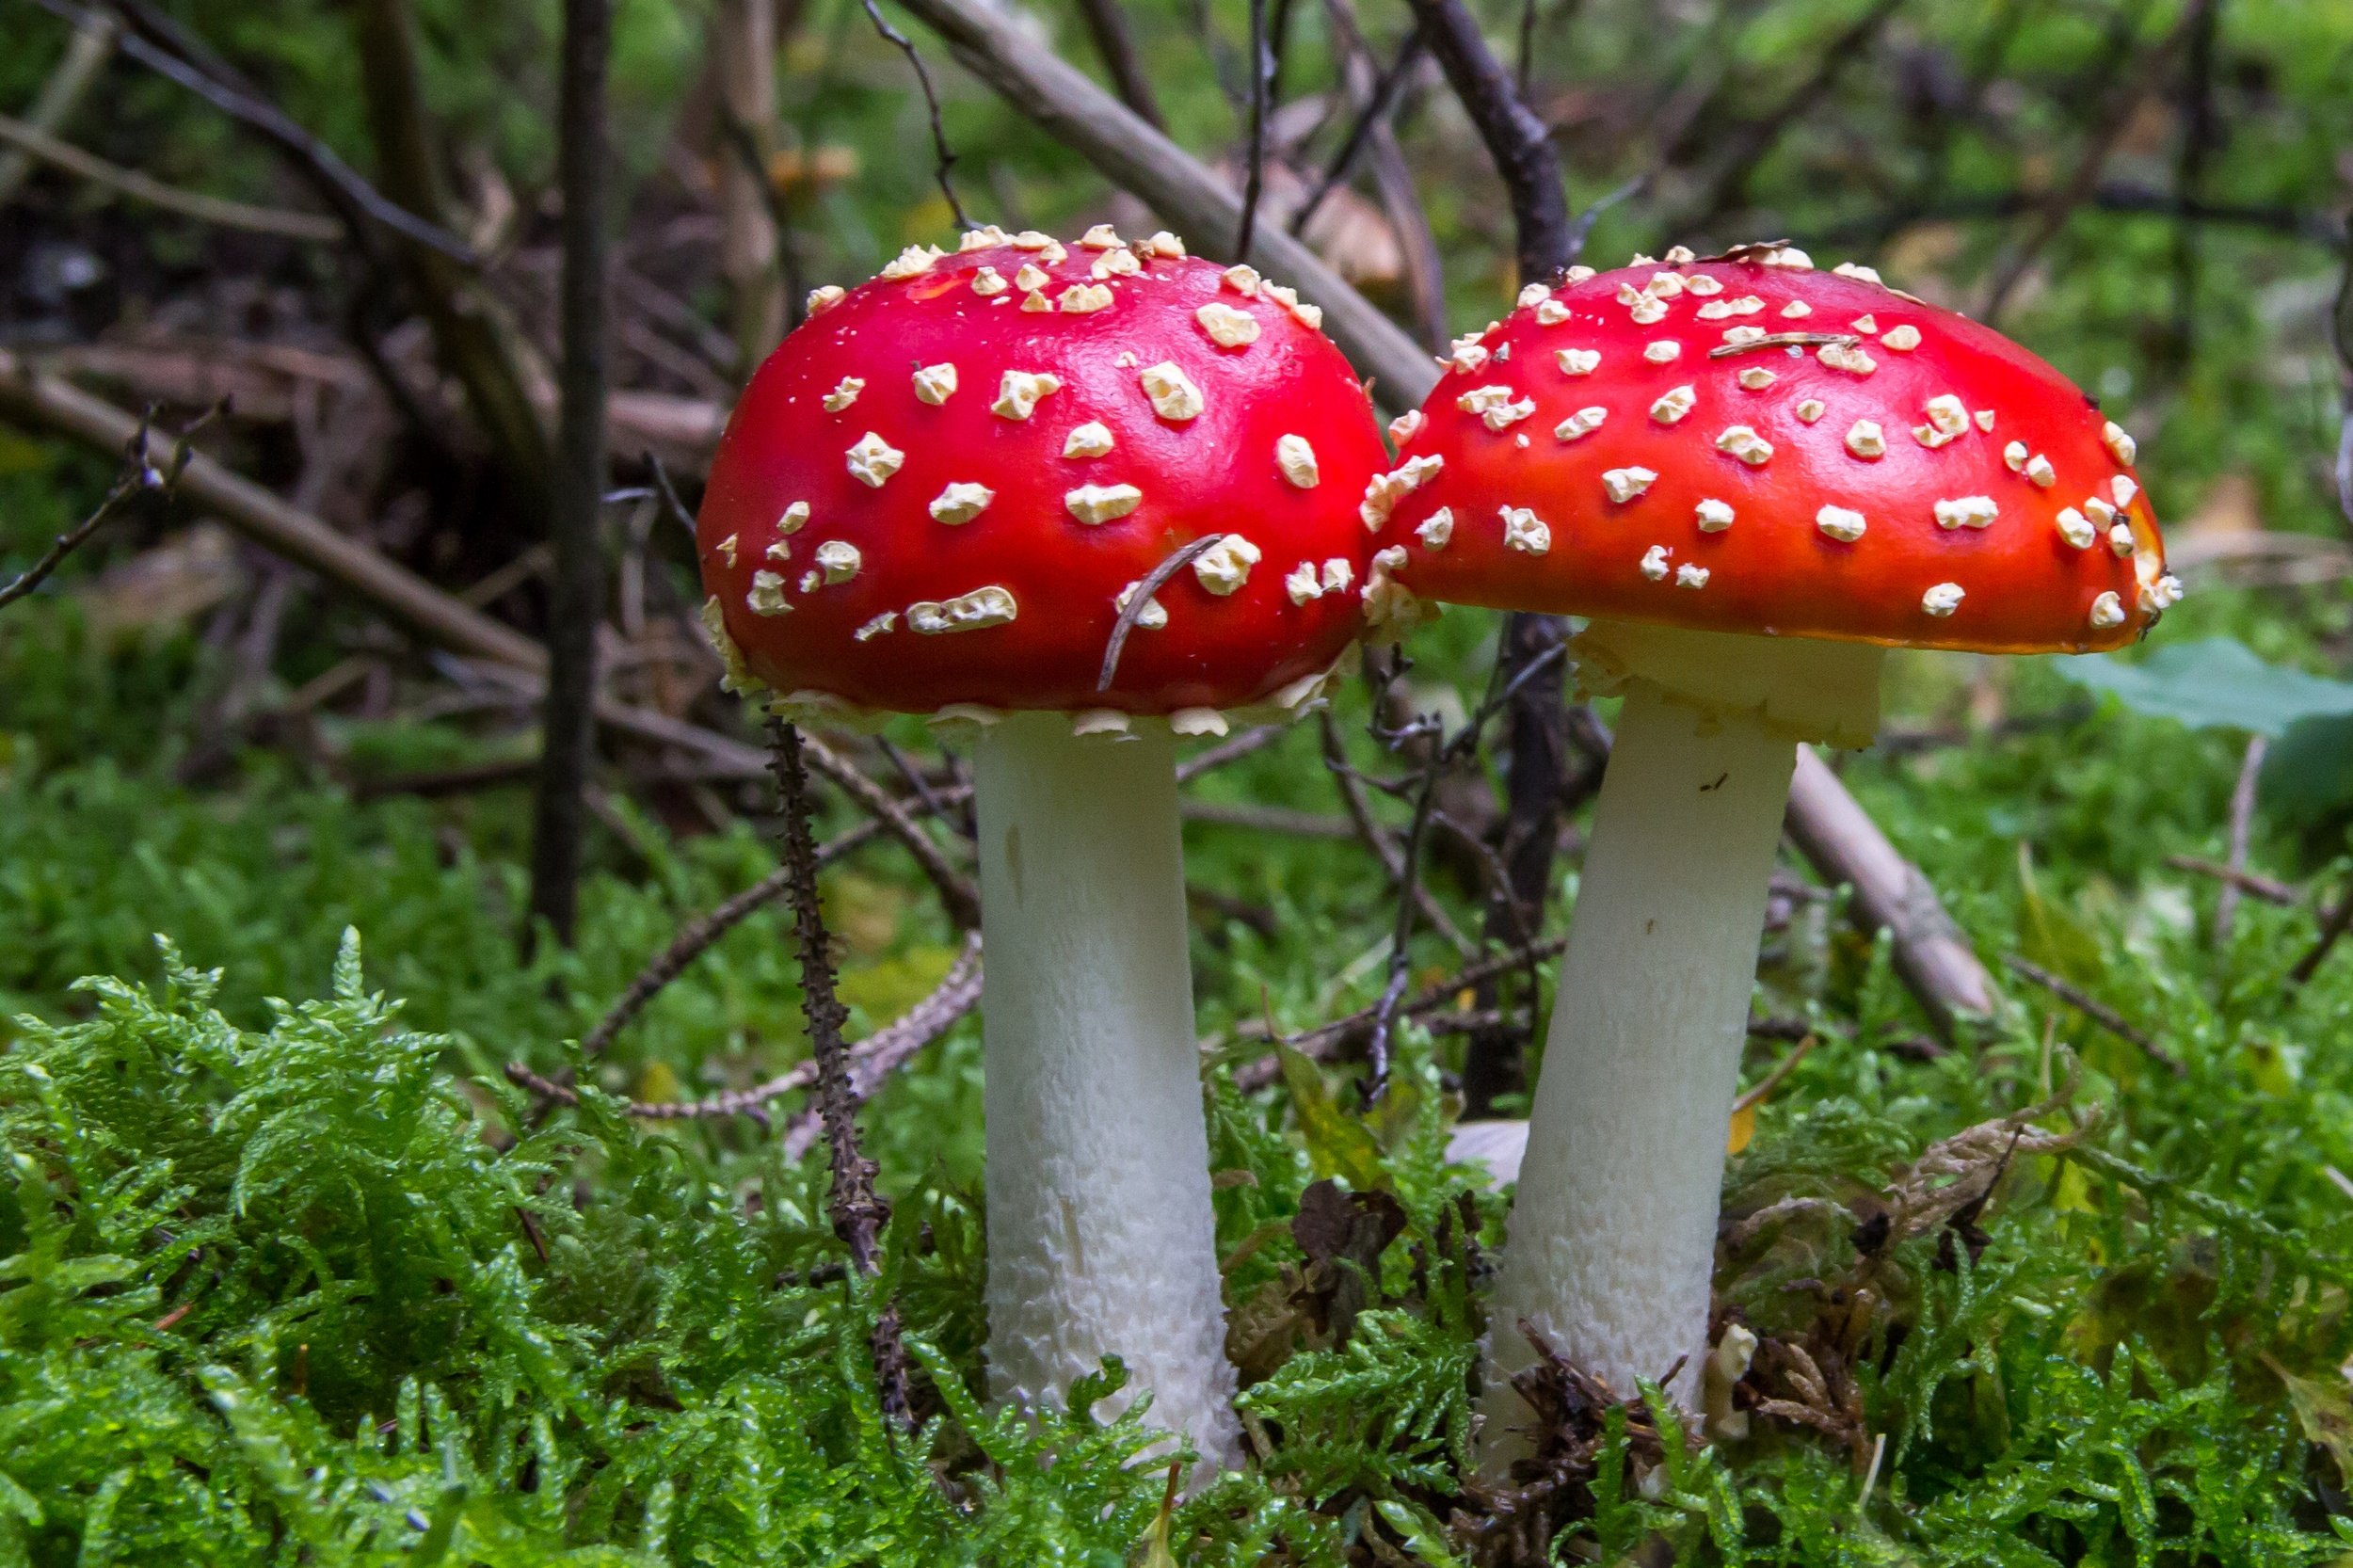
{"type": "Point", "coordinates": [1745, 445]}
{"type": "Point", "coordinates": [938, 490]}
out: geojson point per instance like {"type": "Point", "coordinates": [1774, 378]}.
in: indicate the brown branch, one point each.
{"type": "Point", "coordinates": [38, 143]}
{"type": "Point", "coordinates": [139, 477]}
{"type": "Point", "coordinates": [1372, 112]}
{"type": "Point", "coordinates": [743, 51]}
{"type": "Point", "coordinates": [2115, 119]}
{"type": "Point", "coordinates": [1393, 182]}
{"type": "Point", "coordinates": [858, 1212]}
{"type": "Point", "coordinates": [870, 1061]}
{"type": "Point", "coordinates": [1376, 838]}
{"type": "Point", "coordinates": [1752, 1098]}
{"type": "Point", "coordinates": [1751, 143]}
{"type": "Point", "coordinates": [1262, 69]}
{"type": "Point", "coordinates": [1090, 121]}
{"type": "Point", "coordinates": [2332, 930]}
{"type": "Point", "coordinates": [957, 893]}
{"type": "Point", "coordinates": [700, 934]}
{"type": "Point", "coordinates": [1326, 1040]}
{"type": "Point", "coordinates": [85, 55]}
{"type": "Point", "coordinates": [888, 1049]}
{"type": "Point", "coordinates": [43, 401]}
{"type": "Point", "coordinates": [2269, 889]}
{"type": "Point", "coordinates": [473, 336]}
{"type": "Point", "coordinates": [576, 498]}
{"type": "Point", "coordinates": [163, 46]}
{"type": "Point", "coordinates": [943, 157]}
{"type": "Point", "coordinates": [1517, 141]}
{"type": "Point", "coordinates": [1107, 25]}
{"type": "Point", "coordinates": [1844, 845]}
{"type": "Point", "coordinates": [2097, 1011]}
{"type": "Point", "coordinates": [2241, 831]}
{"type": "Point", "coordinates": [1141, 600]}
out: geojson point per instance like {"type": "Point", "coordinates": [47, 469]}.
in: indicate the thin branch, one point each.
{"type": "Point", "coordinates": [858, 1212]}
{"type": "Point", "coordinates": [1373, 115]}
{"type": "Point", "coordinates": [870, 1061]}
{"type": "Point", "coordinates": [1327, 1039]}
{"type": "Point", "coordinates": [1582, 230]}
{"type": "Point", "coordinates": [2269, 889]}
{"type": "Point", "coordinates": [1525, 63]}
{"type": "Point", "coordinates": [141, 187]}
{"type": "Point", "coordinates": [171, 50]}
{"type": "Point", "coordinates": [1078, 113]}
{"type": "Point", "coordinates": [2332, 930]}
{"type": "Point", "coordinates": [2115, 119]}
{"type": "Point", "coordinates": [139, 476]}
{"type": "Point", "coordinates": [701, 934]}
{"type": "Point", "coordinates": [2097, 1011]}
{"type": "Point", "coordinates": [1269, 819]}
{"type": "Point", "coordinates": [1751, 144]}
{"type": "Point", "coordinates": [2241, 832]}
{"type": "Point", "coordinates": [84, 61]}
{"type": "Point", "coordinates": [1517, 141]}
{"type": "Point", "coordinates": [576, 509]}
{"type": "Point", "coordinates": [2340, 332]}
{"type": "Point", "coordinates": [944, 158]}
{"type": "Point", "coordinates": [1785, 339]}
{"type": "Point", "coordinates": [1141, 600]}
{"type": "Point", "coordinates": [1376, 838]}
{"type": "Point", "coordinates": [1752, 1098]}
{"type": "Point", "coordinates": [1106, 23]}
{"type": "Point", "coordinates": [1261, 84]}
{"type": "Point", "coordinates": [1232, 749]}
{"type": "Point", "coordinates": [1400, 197]}
{"type": "Point", "coordinates": [957, 894]}
{"type": "Point", "coordinates": [888, 1049]}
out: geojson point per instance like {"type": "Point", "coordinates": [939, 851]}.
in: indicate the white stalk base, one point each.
{"type": "Point", "coordinates": [1100, 1236]}
{"type": "Point", "coordinates": [1612, 1234]}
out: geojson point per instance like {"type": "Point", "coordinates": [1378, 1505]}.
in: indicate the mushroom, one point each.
{"type": "Point", "coordinates": [1825, 469]}
{"type": "Point", "coordinates": [1039, 427]}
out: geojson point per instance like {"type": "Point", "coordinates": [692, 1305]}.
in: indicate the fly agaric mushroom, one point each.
{"type": "Point", "coordinates": [1756, 478]}
{"type": "Point", "coordinates": [938, 497]}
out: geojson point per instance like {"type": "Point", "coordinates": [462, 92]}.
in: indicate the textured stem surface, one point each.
{"type": "Point", "coordinates": [1613, 1231]}
{"type": "Point", "coordinates": [1100, 1236]}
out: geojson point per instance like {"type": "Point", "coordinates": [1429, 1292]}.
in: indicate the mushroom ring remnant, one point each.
{"type": "Point", "coordinates": [1754, 477]}
{"type": "Point", "coordinates": [938, 497]}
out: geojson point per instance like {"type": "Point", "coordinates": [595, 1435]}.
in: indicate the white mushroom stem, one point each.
{"type": "Point", "coordinates": [1612, 1233]}
{"type": "Point", "coordinates": [1100, 1236]}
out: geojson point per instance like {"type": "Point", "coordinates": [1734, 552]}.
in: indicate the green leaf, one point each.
{"type": "Point", "coordinates": [2213, 683]}
{"type": "Point", "coordinates": [1337, 1143]}
{"type": "Point", "coordinates": [1420, 1531]}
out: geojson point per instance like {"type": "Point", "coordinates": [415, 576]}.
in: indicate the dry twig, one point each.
{"type": "Point", "coordinates": [85, 59]}
{"type": "Point", "coordinates": [169, 49]}
{"type": "Point", "coordinates": [944, 158]}
{"type": "Point", "coordinates": [140, 476]}
{"type": "Point", "coordinates": [2098, 1012]}
{"type": "Point", "coordinates": [2269, 889]}
{"type": "Point", "coordinates": [870, 1061]}
{"type": "Point", "coordinates": [858, 1211]}
{"type": "Point", "coordinates": [2242, 830]}
{"type": "Point", "coordinates": [2332, 930]}
{"type": "Point", "coordinates": [39, 144]}
{"type": "Point", "coordinates": [576, 497]}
